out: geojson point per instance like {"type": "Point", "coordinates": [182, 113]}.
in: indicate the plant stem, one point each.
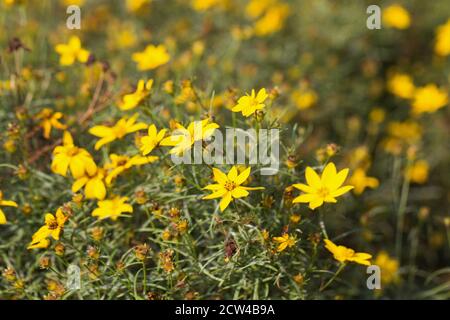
{"type": "Point", "coordinates": [341, 267]}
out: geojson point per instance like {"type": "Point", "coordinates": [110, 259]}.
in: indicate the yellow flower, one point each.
{"type": "Point", "coordinates": [284, 241]}
{"type": "Point", "coordinates": [183, 138]}
{"type": "Point", "coordinates": [273, 20]}
{"type": "Point", "coordinates": [150, 141]}
{"type": "Point", "coordinates": [418, 172]}
{"type": "Point", "coordinates": [151, 58]}
{"type": "Point", "coordinates": [122, 127]}
{"type": "Point", "coordinates": [305, 98]}
{"type": "Point", "coordinates": [442, 44]}
{"type": "Point", "coordinates": [73, 2]}
{"type": "Point", "coordinates": [396, 16]}
{"type": "Point", "coordinates": [52, 228]}
{"type": "Point", "coordinates": [136, 5]}
{"type": "Point", "coordinates": [361, 181]}
{"type": "Point", "coordinates": [68, 156]}
{"type": "Point", "coordinates": [343, 254]}
{"type": "Point", "coordinates": [229, 187]}
{"type": "Point", "coordinates": [256, 8]}
{"type": "Point", "coordinates": [401, 85]}
{"type": "Point", "coordinates": [389, 267]}
{"type": "Point", "coordinates": [71, 52]}
{"type": "Point", "coordinates": [132, 100]}
{"type": "Point", "coordinates": [5, 203]}
{"type": "Point", "coordinates": [248, 104]}
{"type": "Point", "coordinates": [94, 186]}
{"type": "Point", "coordinates": [120, 163]}
{"type": "Point", "coordinates": [429, 99]}
{"type": "Point", "coordinates": [322, 189]}
{"type": "Point", "coordinates": [112, 208]}
{"type": "Point", "coordinates": [203, 5]}
{"type": "Point", "coordinates": [49, 120]}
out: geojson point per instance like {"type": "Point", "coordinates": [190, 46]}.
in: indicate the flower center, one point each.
{"type": "Point", "coordinates": [323, 192]}
{"type": "Point", "coordinates": [53, 225]}
{"type": "Point", "coordinates": [230, 185]}
{"type": "Point", "coordinates": [72, 151]}
{"type": "Point", "coordinates": [120, 131]}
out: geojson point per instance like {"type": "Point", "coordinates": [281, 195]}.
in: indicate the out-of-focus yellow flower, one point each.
{"type": "Point", "coordinates": [229, 187]}
{"type": "Point", "coordinates": [54, 224]}
{"type": "Point", "coordinates": [73, 2]}
{"type": "Point", "coordinates": [71, 52]}
{"type": "Point", "coordinates": [132, 100]}
{"type": "Point", "coordinates": [322, 189]}
{"type": "Point", "coordinates": [203, 5]}
{"type": "Point", "coordinates": [256, 8]}
{"type": "Point", "coordinates": [122, 127]}
{"type": "Point", "coordinates": [120, 163]}
{"type": "Point", "coordinates": [151, 140]}
{"type": "Point", "coordinates": [122, 37]}
{"type": "Point", "coordinates": [418, 171]}
{"type": "Point", "coordinates": [442, 43]}
{"type": "Point", "coordinates": [377, 115]}
{"type": "Point", "coordinates": [49, 120]}
{"type": "Point", "coordinates": [284, 242]}
{"type": "Point", "coordinates": [183, 138]}
{"type": "Point", "coordinates": [136, 5]}
{"type": "Point", "coordinates": [94, 186]}
{"type": "Point", "coordinates": [304, 98]}
{"type": "Point", "coordinates": [68, 156]}
{"type": "Point", "coordinates": [249, 104]}
{"type": "Point", "coordinates": [396, 16]}
{"type": "Point", "coordinates": [273, 20]}
{"type": "Point", "coordinates": [112, 208]}
{"type": "Point", "coordinates": [361, 181]}
{"type": "Point", "coordinates": [151, 58]}
{"type": "Point", "coordinates": [401, 85]}
{"type": "Point", "coordinates": [5, 203]}
{"type": "Point", "coordinates": [429, 99]}
{"type": "Point", "coordinates": [389, 268]}
{"type": "Point", "coordinates": [343, 254]}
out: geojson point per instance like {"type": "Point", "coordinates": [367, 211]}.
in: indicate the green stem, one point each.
{"type": "Point", "coordinates": [341, 267]}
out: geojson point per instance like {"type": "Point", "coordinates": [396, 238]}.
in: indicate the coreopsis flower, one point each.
{"type": "Point", "coordinates": [249, 104]}
{"type": "Point", "coordinates": [151, 58]}
{"type": "Point", "coordinates": [5, 203]}
{"type": "Point", "coordinates": [442, 44]}
{"type": "Point", "coordinates": [418, 171]}
{"type": "Point", "coordinates": [136, 5]}
{"type": "Point", "coordinates": [132, 100]}
{"type": "Point", "coordinates": [94, 185]}
{"type": "Point", "coordinates": [203, 5]}
{"type": "Point", "coordinates": [112, 208]}
{"type": "Point", "coordinates": [304, 98]}
{"type": "Point", "coordinates": [429, 99]}
{"type": "Point", "coordinates": [54, 224]}
{"type": "Point", "coordinates": [165, 259]}
{"type": "Point", "coordinates": [401, 85]}
{"type": "Point", "coordinates": [284, 242]}
{"type": "Point", "coordinates": [49, 120]}
{"type": "Point", "coordinates": [71, 52]}
{"type": "Point", "coordinates": [120, 163]}
{"type": "Point", "coordinates": [151, 140]}
{"type": "Point", "coordinates": [389, 268]}
{"type": "Point", "coordinates": [361, 181]}
{"type": "Point", "coordinates": [68, 156]}
{"type": "Point", "coordinates": [396, 16]}
{"type": "Point", "coordinates": [122, 127]}
{"type": "Point", "coordinates": [322, 189]}
{"type": "Point", "coordinates": [256, 8]}
{"type": "Point", "coordinates": [183, 138]}
{"type": "Point", "coordinates": [343, 254]}
{"type": "Point", "coordinates": [273, 19]}
{"type": "Point", "coordinates": [229, 186]}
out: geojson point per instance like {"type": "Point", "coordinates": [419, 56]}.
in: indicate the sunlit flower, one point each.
{"type": "Point", "coordinates": [112, 208]}
{"type": "Point", "coordinates": [389, 268]}
{"type": "Point", "coordinates": [418, 172]}
{"type": "Point", "coordinates": [322, 189]}
{"type": "Point", "coordinates": [429, 99]}
{"type": "Point", "coordinates": [343, 254]}
{"type": "Point", "coordinates": [183, 138]}
{"type": "Point", "coordinates": [229, 187]}
{"type": "Point", "coordinates": [49, 120]}
{"type": "Point", "coordinates": [71, 52]}
{"type": "Point", "coordinates": [284, 242]}
{"type": "Point", "coordinates": [248, 104]}
{"type": "Point", "coordinates": [396, 16]}
{"type": "Point", "coordinates": [150, 141]}
{"type": "Point", "coordinates": [401, 85]}
{"type": "Point", "coordinates": [151, 58]}
{"type": "Point", "coordinates": [132, 100]}
{"type": "Point", "coordinates": [361, 181]}
{"type": "Point", "coordinates": [273, 19]}
{"type": "Point", "coordinates": [5, 203]}
{"type": "Point", "coordinates": [442, 44]}
{"type": "Point", "coordinates": [120, 163]}
{"type": "Point", "coordinates": [94, 185]}
{"type": "Point", "coordinates": [68, 156]}
{"type": "Point", "coordinates": [54, 224]}
{"type": "Point", "coordinates": [122, 127]}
